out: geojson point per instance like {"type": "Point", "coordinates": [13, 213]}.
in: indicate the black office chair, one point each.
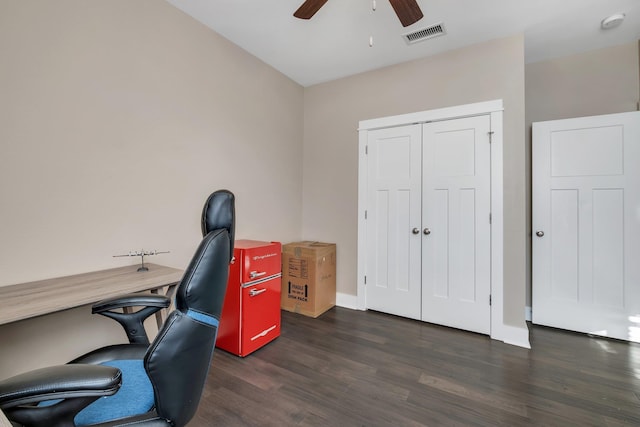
{"type": "Point", "coordinates": [158, 385]}
{"type": "Point", "coordinates": [218, 212]}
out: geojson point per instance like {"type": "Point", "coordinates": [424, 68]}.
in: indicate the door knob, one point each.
{"type": "Point", "coordinates": [539, 233]}
{"type": "Point", "coordinates": [416, 231]}
{"type": "Point", "coordinates": [426, 231]}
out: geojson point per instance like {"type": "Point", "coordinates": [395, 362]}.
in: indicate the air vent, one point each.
{"type": "Point", "coordinates": [424, 33]}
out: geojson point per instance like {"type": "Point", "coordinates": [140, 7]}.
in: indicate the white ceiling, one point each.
{"type": "Point", "coordinates": [335, 42]}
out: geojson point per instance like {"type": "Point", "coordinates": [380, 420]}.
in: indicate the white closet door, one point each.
{"type": "Point", "coordinates": [456, 200]}
{"type": "Point", "coordinates": [393, 220]}
{"type": "Point", "coordinates": [586, 225]}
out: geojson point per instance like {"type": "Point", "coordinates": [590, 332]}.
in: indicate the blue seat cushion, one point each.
{"type": "Point", "coordinates": [134, 397]}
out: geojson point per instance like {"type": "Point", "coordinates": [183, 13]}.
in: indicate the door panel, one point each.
{"type": "Point", "coordinates": [456, 206]}
{"type": "Point", "coordinates": [467, 243]}
{"type": "Point", "coordinates": [393, 250]}
{"type": "Point", "coordinates": [564, 259]}
{"type": "Point", "coordinates": [260, 322]}
{"type": "Point", "coordinates": [586, 208]}
{"type": "Point", "coordinates": [608, 248]}
{"type": "Point", "coordinates": [438, 263]}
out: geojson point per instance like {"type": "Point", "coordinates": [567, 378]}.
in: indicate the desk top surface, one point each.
{"type": "Point", "coordinates": [4, 422]}
{"type": "Point", "coordinates": [26, 300]}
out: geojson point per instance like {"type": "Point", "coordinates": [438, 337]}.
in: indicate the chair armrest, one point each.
{"type": "Point", "coordinates": [59, 382]}
{"type": "Point", "coordinates": [63, 391]}
{"type": "Point", "coordinates": [132, 322]}
{"type": "Point", "coordinates": [131, 300]}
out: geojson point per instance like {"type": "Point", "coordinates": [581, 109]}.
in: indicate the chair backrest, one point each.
{"type": "Point", "coordinates": [219, 212]}
{"type": "Point", "coordinates": [177, 362]}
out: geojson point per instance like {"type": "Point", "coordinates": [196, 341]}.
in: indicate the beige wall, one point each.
{"type": "Point", "coordinates": [117, 119]}
{"type": "Point", "coordinates": [492, 70]}
{"type": "Point", "coordinates": [603, 81]}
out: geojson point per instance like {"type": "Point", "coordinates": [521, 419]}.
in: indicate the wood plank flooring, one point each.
{"type": "Point", "coordinates": [354, 368]}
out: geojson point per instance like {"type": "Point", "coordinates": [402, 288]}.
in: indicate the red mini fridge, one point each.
{"type": "Point", "coordinates": [251, 312]}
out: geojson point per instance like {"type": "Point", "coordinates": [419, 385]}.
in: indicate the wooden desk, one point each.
{"type": "Point", "coordinates": [27, 300]}
{"type": "Point", "coordinates": [4, 422]}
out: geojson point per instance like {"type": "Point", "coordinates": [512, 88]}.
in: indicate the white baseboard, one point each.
{"type": "Point", "coordinates": [346, 301]}
{"type": "Point", "coordinates": [515, 336]}
{"type": "Point", "coordinates": [527, 314]}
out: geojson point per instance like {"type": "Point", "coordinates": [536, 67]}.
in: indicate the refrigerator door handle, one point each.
{"type": "Point", "coordinates": [255, 274]}
{"type": "Point", "coordinates": [254, 292]}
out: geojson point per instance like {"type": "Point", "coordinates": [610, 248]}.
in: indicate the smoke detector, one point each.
{"type": "Point", "coordinates": [612, 21]}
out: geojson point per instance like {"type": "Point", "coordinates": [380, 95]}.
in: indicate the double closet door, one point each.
{"type": "Point", "coordinates": [428, 222]}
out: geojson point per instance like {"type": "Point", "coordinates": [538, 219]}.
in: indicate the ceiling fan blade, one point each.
{"type": "Point", "coordinates": [309, 8]}
{"type": "Point", "coordinates": [408, 11]}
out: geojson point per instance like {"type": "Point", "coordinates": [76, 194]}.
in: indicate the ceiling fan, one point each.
{"type": "Point", "coordinates": [408, 11]}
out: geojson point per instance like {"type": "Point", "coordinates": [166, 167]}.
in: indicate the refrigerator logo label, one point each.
{"type": "Point", "coordinates": [257, 257]}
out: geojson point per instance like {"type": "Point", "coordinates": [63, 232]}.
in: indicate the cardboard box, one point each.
{"type": "Point", "coordinates": [308, 277]}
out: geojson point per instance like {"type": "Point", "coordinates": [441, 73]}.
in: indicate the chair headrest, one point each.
{"type": "Point", "coordinates": [219, 212]}
{"type": "Point", "coordinates": [204, 283]}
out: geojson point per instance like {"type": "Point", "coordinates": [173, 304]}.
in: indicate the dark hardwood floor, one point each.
{"type": "Point", "coordinates": [354, 368]}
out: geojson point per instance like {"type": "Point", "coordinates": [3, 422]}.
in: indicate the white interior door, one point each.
{"type": "Point", "coordinates": [393, 220]}
{"type": "Point", "coordinates": [428, 231]}
{"type": "Point", "coordinates": [586, 224]}
{"type": "Point", "coordinates": [456, 200]}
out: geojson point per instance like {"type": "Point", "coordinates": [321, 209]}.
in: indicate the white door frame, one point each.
{"type": "Point", "coordinates": [499, 331]}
